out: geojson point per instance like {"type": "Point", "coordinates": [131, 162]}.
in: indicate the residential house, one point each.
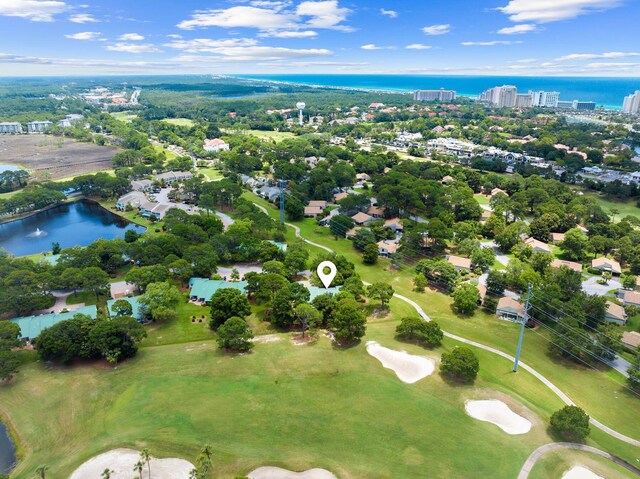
{"type": "Point", "coordinates": [352, 232]}
{"type": "Point", "coordinates": [448, 179]}
{"type": "Point", "coordinates": [120, 289]}
{"type": "Point", "coordinates": [319, 203]}
{"type": "Point", "coordinates": [154, 210]}
{"type": "Point", "coordinates": [482, 289]}
{"type": "Point", "coordinates": [556, 237]}
{"type": "Point", "coordinates": [362, 177]}
{"type": "Point", "coordinates": [631, 298]}
{"type": "Point", "coordinates": [376, 211]}
{"type": "Point", "coordinates": [459, 263]}
{"type": "Point", "coordinates": [631, 339]}
{"type": "Point", "coordinates": [134, 198]}
{"type": "Point", "coordinates": [137, 309]}
{"type": "Point", "coordinates": [142, 185]}
{"type": "Point", "coordinates": [340, 196]}
{"type": "Point", "coordinates": [559, 263]}
{"type": "Point", "coordinates": [497, 191]}
{"type": "Point", "coordinates": [615, 314]}
{"type": "Point", "coordinates": [387, 249]}
{"type": "Point", "coordinates": [508, 308]}
{"type": "Point", "coordinates": [606, 264]}
{"type": "Point", "coordinates": [32, 326]}
{"type": "Point", "coordinates": [216, 145]}
{"type": "Point", "coordinates": [376, 106]}
{"type": "Point", "coordinates": [485, 216]}
{"type": "Point", "coordinates": [171, 176]}
{"type": "Point", "coordinates": [203, 288]}
{"type": "Point", "coordinates": [537, 246]}
{"type": "Point", "coordinates": [361, 218]}
{"type": "Point", "coordinates": [394, 224]}
{"type": "Point", "coordinates": [313, 211]}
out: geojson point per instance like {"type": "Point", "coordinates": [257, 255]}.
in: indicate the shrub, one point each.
{"type": "Point", "coordinates": [460, 364]}
{"type": "Point", "coordinates": [235, 334]}
{"type": "Point", "coordinates": [416, 329]}
{"type": "Point", "coordinates": [571, 423]}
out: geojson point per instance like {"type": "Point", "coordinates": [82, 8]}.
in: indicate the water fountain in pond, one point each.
{"type": "Point", "coordinates": [38, 233]}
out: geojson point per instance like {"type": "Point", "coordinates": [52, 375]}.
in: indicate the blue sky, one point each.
{"type": "Point", "coordinates": [496, 37]}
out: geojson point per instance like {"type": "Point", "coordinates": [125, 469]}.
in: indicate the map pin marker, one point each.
{"type": "Point", "coordinates": [327, 278]}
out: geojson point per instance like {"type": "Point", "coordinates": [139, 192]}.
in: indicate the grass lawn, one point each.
{"type": "Point", "coordinates": [180, 121]}
{"type": "Point", "coordinates": [277, 136]}
{"type": "Point", "coordinates": [211, 173]}
{"type": "Point", "coordinates": [295, 406]}
{"type": "Point", "coordinates": [593, 390]}
{"type": "Point", "coordinates": [125, 116]}
{"type": "Point", "coordinates": [86, 297]}
{"type": "Point", "coordinates": [482, 199]}
{"type": "Point", "coordinates": [624, 207]}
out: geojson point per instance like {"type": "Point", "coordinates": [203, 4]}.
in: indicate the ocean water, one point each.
{"type": "Point", "coordinates": [608, 92]}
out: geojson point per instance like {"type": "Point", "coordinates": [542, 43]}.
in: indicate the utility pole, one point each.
{"type": "Point", "coordinates": [282, 184]}
{"type": "Point", "coordinates": [525, 318]}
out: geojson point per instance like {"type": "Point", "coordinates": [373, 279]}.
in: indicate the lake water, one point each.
{"type": "Point", "coordinates": [4, 168]}
{"type": "Point", "coordinates": [7, 451]}
{"type": "Point", "coordinates": [74, 224]}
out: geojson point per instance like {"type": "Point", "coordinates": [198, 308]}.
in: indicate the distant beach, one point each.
{"type": "Point", "coordinates": [607, 92]}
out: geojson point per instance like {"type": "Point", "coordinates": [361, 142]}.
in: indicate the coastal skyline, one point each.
{"type": "Point", "coordinates": [501, 37]}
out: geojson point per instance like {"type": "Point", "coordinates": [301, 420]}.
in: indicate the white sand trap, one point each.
{"type": "Point", "coordinates": [579, 472]}
{"type": "Point", "coordinates": [408, 368]}
{"type": "Point", "coordinates": [279, 473]}
{"type": "Point", "coordinates": [121, 462]}
{"type": "Point", "coordinates": [498, 413]}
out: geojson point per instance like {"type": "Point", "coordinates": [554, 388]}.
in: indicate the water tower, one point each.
{"type": "Point", "coordinates": [301, 106]}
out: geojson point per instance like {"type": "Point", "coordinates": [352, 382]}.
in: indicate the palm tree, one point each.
{"type": "Point", "coordinates": [106, 474]}
{"type": "Point", "coordinates": [41, 472]}
{"type": "Point", "coordinates": [139, 466]}
{"type": "Point", "coordinates": [146, 457]}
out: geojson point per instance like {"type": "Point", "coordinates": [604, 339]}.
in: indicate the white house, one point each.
{"type": "Point", "coordinates": [216, 145]}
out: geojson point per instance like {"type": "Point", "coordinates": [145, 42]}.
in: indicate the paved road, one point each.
{"type": "Point", "coordinates": [542, 450]}
{"type": "Point", "coordinates": [502, 258]}
{"type": "Point", "coordinates": [526, 367]}
{"type": "Point", "coordinates": [591, 286]}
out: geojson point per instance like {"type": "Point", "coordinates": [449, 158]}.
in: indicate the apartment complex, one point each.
{"type": "Point", "coordinates": [434, 95]}
{"type": "Point", "coordinates": [10, 128]}
{"type": "Point", "coordinates": [38, 126]}
{"type": "Point", "coordinates": [631, 104]}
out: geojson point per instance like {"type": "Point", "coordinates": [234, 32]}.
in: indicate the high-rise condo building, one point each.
{"type": "Point", "coordinates": [500, 96]}
{"type": "Point", "coordinates": [631, 104]}
{"type": "Point", "coordinates": [547, 99]}
{"type": "Point", "coordinates": [524, 100]}
{"type": "Point", "coordinates": [434, 95]}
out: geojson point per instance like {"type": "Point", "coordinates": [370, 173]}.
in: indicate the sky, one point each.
{"type": "Point", "coordinates": [446, 37]}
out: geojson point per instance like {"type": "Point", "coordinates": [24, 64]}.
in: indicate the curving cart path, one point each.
{"type": "Point", "coordinates": [526, 367]}
{"type": "Point", "coordinates": [542, 450]}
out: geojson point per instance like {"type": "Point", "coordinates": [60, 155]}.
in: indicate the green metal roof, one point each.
{"type": "Point", "coordinates": [203, 288]}
{"type": "Point", "coordinates": [32, 326]}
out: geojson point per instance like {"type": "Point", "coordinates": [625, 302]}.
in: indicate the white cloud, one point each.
{"type": "Point", "coordinates": [527, 60]}
{"type": "Point", "coordinates": [173, 35]}
{"type": "Point", "coordinates": [272, 16]}
{"type": "Point", "coordinates": [83, 18]}
{"type": "Point", "coordinates": [489, 44]}
{"type": "Point", "coordinates": [517, 29]}
{"type": "Point", "coordinates": [86, 36]}
{"type": "Point", "coordinates": [131, 37]}
{"type": "Point", "coordinates": [613, 67]}
{"type": "Point", "coordinates": [254, 53]}
{"type": "Point", "coordinates": [290, 34]}
{"type": "Point", "coordinates": [7, 58]}
{"type": "Point", "coordinates": [209, 45]}
{"type": "Point", "coordinates": [132, 48]}
{"type": "Point", "coordinates": [34, 10]}
{"type": "Point", "coordinates": [370, 46]}
{"type": "Point", "coordinates": [389, 13]}
{"type": "Point", "coordinates": [543, 11]}
{"type": "Point", "coordinates": [594, 56]}
{"type": "Point", "coordinates": [418, 46]}
{"type": "Point", "coordinates": [324, 14]}
{"type": "Point", "coordinates": [437, 29]}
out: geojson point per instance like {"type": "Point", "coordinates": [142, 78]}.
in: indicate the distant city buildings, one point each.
{"type": "Point", "coordinates": [500, 96]}
{"type": "Point", "coordinates": [10, 128]}
{"type": "Point", "coordinates": [434, 95]}
{"type": "Point", "coordinates": [631, 104]}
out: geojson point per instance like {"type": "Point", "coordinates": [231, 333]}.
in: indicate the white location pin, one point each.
{"type": "Point", "coordinates": [327, 278]}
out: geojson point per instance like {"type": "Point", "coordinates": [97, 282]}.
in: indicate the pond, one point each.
{"type": "Point", "coordinates": [7, 451]}
{"type": "Point", "coordinates": [4, 168]}
{"type": "Point", "coordinates": [73, 224]}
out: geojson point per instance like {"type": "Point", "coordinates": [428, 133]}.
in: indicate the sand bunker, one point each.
{"type": "Point", "coordinates": [579, 472]}
{"type": "Point", "coordinates": [407, 367]}
{"type": "Point", "coordinates": [498, 413]}
{"type": "Point", "coordinates": [278, 473]}
{"type": "Point", "coordinates": [121, 462]}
